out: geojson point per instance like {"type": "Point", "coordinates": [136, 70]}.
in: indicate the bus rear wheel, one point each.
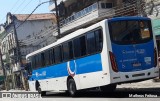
{"type": "Point", "coordinates": [71, 87]}
{"type": "Point", "coordinates": [108, 88]}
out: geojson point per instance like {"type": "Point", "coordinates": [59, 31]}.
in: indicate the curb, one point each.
{"type": "Point", "coordinates": [156, 80]}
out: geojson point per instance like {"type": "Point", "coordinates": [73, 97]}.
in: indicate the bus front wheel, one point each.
{"type": "Point", "coordinates": [38, 88]}
{"type": "Point", "coordinates": [71, 87]}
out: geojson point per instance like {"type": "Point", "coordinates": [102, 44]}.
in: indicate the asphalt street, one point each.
{"type": "Point", "coordinates": [141, 91]}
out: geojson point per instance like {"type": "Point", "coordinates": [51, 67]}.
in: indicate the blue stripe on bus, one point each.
{"type": "Point", "coordinates": [80, 66]}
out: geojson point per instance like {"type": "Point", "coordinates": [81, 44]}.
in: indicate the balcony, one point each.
{"type": "Point", "coordinates": [94, 13]}
{"type": "Point", "coordinates": [52, 4]}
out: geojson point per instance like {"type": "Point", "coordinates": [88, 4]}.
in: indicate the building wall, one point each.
{"type": "Point", "coordinates": [32, 35]}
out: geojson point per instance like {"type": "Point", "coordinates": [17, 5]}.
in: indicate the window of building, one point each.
{"type": "Point", "coordinates": [106, 5]}
{"type": "Point", "coordinates": [109, 5]}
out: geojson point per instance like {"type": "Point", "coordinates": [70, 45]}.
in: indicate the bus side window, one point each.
{"type": "Point", "coordinates": [58, 54]}
{"type": "Point", "coordinates": [83, 45]}
{"type": "Point", "coordinates": [65, 51]}
{"type": "Point", "coordinates": [53, 56]}
{"type": "Point", "coordinates": [42, 59]}
{"type": "Point", "coordinates": [99, 40]}
{"type": "Point", "coordinates": [33, 62]}
{"type": "Point", "coordinates": [70, 50]}
{"type": "Point", "coordinates": [77, 50]}
{"type": "Point", "coordinates": [46, 57]}
{"type": "Point", "coordinates": [91, 43]}
{"type": "Point", "coordinates": [38, 61]}
{"type": "Point", "coordinates": [50, 56]}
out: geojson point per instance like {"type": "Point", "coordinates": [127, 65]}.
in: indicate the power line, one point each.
{"type": "Point", "coordinates": [19, 6]}
{"type": "Point", "coordinates": [10, 10]}
{"type": "Point", "coordinates": [26, 5]}
{"type": "Point", "coordinates": [31, 14]}
{"type": "Point", "coordinates": [14, 5]}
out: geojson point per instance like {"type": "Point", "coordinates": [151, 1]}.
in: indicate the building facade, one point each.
{"type": "Point", "coordinates": [76, 14]}
{"type": "Point", "coordinates": [21, 37]}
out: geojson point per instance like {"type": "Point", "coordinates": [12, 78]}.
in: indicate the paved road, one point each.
{"type": "Point", "coordinates": [141, 89]}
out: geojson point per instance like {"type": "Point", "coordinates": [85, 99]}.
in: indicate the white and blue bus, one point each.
{"type": "Point", "coordinates": [110, 52]}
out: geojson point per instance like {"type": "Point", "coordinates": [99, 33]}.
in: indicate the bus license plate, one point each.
{"type": "Point", "coordinates": [136, 64]}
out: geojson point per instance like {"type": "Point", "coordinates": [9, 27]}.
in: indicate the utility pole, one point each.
{"type": "Point", "coordinates": [18, 54]}
{"type": "Point", "coordinates": [18, 57]}
{"type": "Point", "coordinates": [57, 17]}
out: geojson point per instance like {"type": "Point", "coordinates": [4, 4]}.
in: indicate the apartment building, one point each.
{"type": "Point", "coordinates": [21, 37]}
{"type": "Point", "coordinates": [76, 14]}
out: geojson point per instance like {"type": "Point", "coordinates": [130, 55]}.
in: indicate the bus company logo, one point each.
{"type": "Point", "coordinates": [42, 74]}
{"type": "Point", "coordinates": [70, 72]}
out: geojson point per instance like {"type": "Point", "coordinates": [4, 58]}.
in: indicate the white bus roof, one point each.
{"type": "Point", "coordinates": [67, 37]}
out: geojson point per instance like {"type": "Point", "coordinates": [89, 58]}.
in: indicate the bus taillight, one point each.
{"type": "Point", "coordinates": [155, 57]}
{"type": "Point", "coordinates": [113, 62]}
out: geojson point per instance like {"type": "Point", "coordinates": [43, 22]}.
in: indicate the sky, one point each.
{"type": "Point", "coordinates": [21, 7]}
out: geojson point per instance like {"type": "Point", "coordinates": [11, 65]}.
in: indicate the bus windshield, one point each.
{"type": "Point", "coordinates": [130, 32]}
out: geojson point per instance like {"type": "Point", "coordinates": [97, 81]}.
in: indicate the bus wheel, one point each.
{"type": "Point", "coordinates": [43, 93]}
{"type": "Point", "coordinates": [71, 87]}
{"type": "Point", "coordinates": [39, 90]}
{"type": "Point", "coordinates": [108, 88]}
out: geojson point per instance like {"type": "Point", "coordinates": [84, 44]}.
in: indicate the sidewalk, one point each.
{"type": "Point", "coordinates": [13, 90]}
{"type": "Point", "coordinates": [143, 84]}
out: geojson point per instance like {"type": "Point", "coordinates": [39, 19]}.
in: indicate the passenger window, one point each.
{"type": "Point", "coordinates": [83, 45]}
{"type": "Point", "coordinates": [42, 59]}
{"type": "Point", "coordinates": [58, 54]}
{"type": "Point", "coordinates": [33, 62]}
{"type": "Point", "coordinates": [77, 49]}
{"type": "Point", "coordinates": [47, 57]}
{"type": "Point", "coordinates": [53, 56]}
{"type": "Point", "coordinates": [99, 40]}
{"type": "Point", "coordinates": [65, 51]}
{"type": "Point", "coordinates": [91, 43]}
{"type": "Point", "coordinates": [70, 50]}
{"type": "Point", "coordinates": [39, 60]}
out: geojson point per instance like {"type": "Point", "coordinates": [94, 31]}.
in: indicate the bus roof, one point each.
{"type": "Point", "coordinates": [65, 38]}
{"type": "Point", "coordinates": [81, 31]}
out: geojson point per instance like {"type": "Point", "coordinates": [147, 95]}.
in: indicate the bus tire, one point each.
{"type": "Point", "coordinates": [37, 85]}
{"type": "Point", "coordinates": [71, 86]}
{"type": "Point", "coordinates": [108, 88]}
{"type": "Point", "coordinates": [43, 93]}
